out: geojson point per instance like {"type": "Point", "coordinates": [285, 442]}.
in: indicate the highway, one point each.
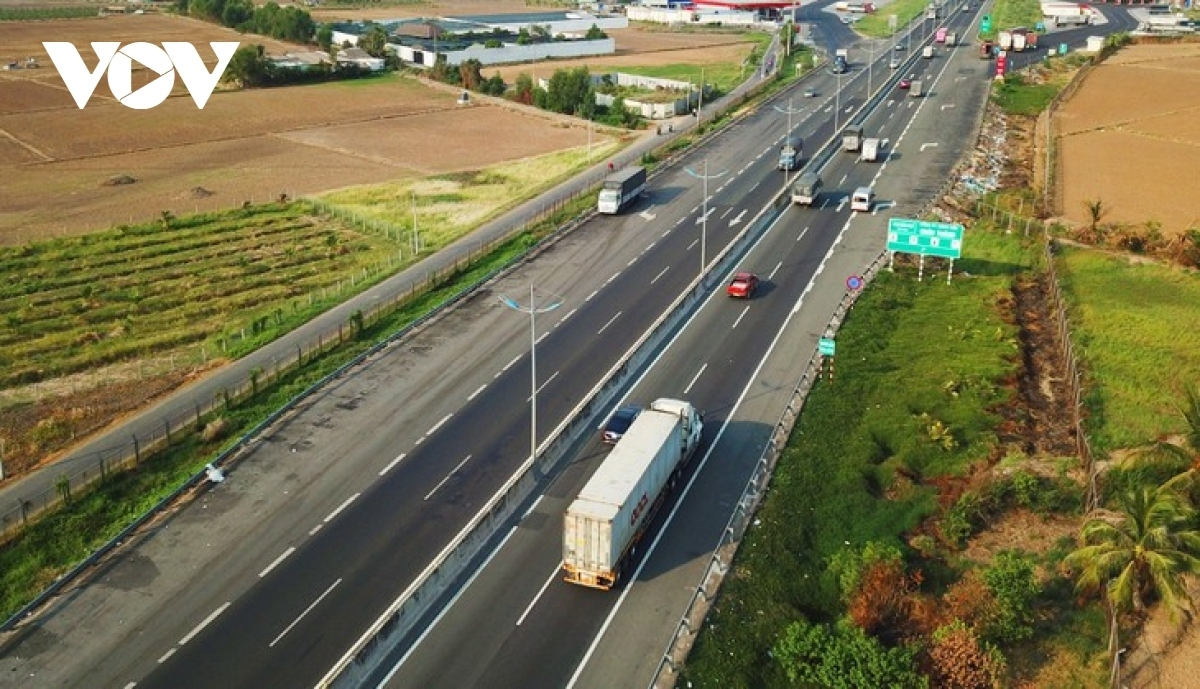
{"type": "Point", "coordinates": [406, 450]}
{"type": "Point", "coordinates": [518, 624]}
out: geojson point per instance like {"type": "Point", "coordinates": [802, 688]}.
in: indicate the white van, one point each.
{"type": "Point", "coordinates": [862, 199]}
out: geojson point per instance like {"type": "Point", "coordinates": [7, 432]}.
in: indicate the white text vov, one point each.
{"type": "Point", "coordinates": [171, 58]}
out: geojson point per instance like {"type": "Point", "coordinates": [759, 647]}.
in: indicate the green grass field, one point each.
{"type": "Point", "coordinates": [1137, 327]}
{"type": "Point", "coordinates": [919, 371]}
{"type": "Point", "coordinates": [76, 303]}
{"type": "Point", "coordinates": [722, 76]}
{"type": "Point", "coordinates": [876, 24]}
{"type": "Point", "coordinates": [449, 206]}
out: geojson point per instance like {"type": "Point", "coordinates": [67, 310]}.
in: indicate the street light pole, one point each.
{"type": "Point", "coordinates": [790, 111]}
{"type": "Point", "coordinates": [837, 104]}
{"type": "Point", "coordinates": [704, 212]}
{"type": "Point", "coordinates": [533, 310]}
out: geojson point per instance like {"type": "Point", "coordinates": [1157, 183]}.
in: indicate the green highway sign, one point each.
{"type": "Point", "coordinates": [925, 238]}
{"type": "Point", "coordinates": [985, 25]}
{"type": "Point", "coordinates": [825, 346]}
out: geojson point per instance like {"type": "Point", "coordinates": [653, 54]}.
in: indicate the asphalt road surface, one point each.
{"type": "Point", "coordinates": [518, 624]}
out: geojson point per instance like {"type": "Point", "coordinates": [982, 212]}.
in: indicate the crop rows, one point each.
{"type": "Point", "coordinates": [74, 303]}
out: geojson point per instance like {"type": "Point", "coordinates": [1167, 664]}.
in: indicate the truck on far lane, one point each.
{"type": "Point", "coordinates": [620, 188]}
{"type": "Point", "coordinates": [611, 513]}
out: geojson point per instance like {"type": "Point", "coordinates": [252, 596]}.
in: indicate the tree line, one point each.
{"type": "Point", "coordinates": [284, 23]}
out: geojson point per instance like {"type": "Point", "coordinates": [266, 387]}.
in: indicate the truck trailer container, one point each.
{"type": "Point", "coordinates": [620, 188]}
{"type": "Point", "coordinates": [806, 189]}
{"type": "Point", "coordinates": [927, 52]}
{"type": "Point", "coordinates": [852, 137]}
{"type": "Point", "coordinates": [872, 146]}
{"type": "Point", "coordinates": [608, 518]}
{"type": "Point", "coordinates": [916, 89]}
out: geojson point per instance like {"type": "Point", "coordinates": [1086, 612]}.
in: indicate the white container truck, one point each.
{"type": "Point", "coordinates": [620, 188]}
{"type": "Point", "coordinates": [870, 149]}
{"type": "Point", "coordinates": [927, 52]}
{"type": "Point", "coordinates": [602, 526]}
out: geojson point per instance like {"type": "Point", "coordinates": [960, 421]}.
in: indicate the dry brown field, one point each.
{"type": "Point", "coordinates": [58, 161]}
{"type": "Point", "coordinates": [1130, 137]}
{"type": "Point", "coordinates": [244, 145]}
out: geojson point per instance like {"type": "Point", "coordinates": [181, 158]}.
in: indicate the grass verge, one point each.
{"type": "Point", "coordinates": [1137, 327]}
{"type": "Point", "coordinates": [919, 376]}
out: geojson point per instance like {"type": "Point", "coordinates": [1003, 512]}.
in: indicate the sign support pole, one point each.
{"type": "Point", "coordinates": [950, 273]}
{"type": "Point", "coordinates": [891, 261]}
{"type": "Point", "coordinates": [921, 269]}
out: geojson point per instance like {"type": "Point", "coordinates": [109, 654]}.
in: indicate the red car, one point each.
{"type": "Point", "coordinates": [744, 285]}
{"type": "Point", "coordinates": [905, 83]}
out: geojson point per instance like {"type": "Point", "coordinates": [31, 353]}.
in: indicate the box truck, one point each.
{"type": "Point", "coordinates": [610, 515]}
{"type": "Point", "coordinates": [852, 137]}
{"type": "Point", "coordinates": [789, 153]}
{"type": "Point", "coordinates": [927, 52]}
{"type": "Point", "coordinates": [1005, 40]}
{"type": "Point", "coordinates": [951, 39]}
{"type": "Point", "coordinates": [871, 148]}
{"type": "Point", "coordinates": [620, 188]}
{"type": "Point", "coordinates": [917, 88]}
{"type": "Point", "coordinates": [806, 189]}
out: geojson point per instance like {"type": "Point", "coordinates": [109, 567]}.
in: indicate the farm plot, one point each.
{"type": "Point", "coordinates": [1149, 133]}
{"type": "Point", "coordinates": [77, 303]}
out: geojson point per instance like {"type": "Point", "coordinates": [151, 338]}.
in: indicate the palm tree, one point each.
{"type": "Point", "coordinates": [1187, 451]}
{"type": "Point", "coordinates": [1148, 550]}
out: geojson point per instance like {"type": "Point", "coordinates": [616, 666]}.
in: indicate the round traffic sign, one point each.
{"type": "Point", "coordinates": [854, 283]}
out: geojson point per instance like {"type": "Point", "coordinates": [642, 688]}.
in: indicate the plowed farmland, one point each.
{"type": "Point", "coordinates": [68, 171]}
{"type": "Point", "coordinates": [1130, 137]}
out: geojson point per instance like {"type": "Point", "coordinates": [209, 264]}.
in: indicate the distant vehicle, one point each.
{"type": "Point", "coordinates": [809, 93]}
{"type": "Point", "coordinates": [939, 36]}
{"type": "Point", "coordinates": [620, 422]}
{"type": "Point", "coordinates": [743, 286]}
{"type": "Point", "coordinates": [852, 137]}
{"type": "Point", "coordinates": [870, 149]}
{"type": "Point", "coordinates": [861, 199]}
{"type": "Point", "coordinates": [951, 39]}
{"type": "Point", "coordinates": [1005, 40]}
{"type": "Point", "coordinates": [806, 189]}
{"type": "Point", "coordinates": [916, 89]}
{"type": "Point", "coordinates": [895, 63]}
{"type": "Point", "coordinates": [927, 52]}
{"type": "Point", "coordinates": [905, 83]}
{"type": "Point", "coordinates": [789, 153]}
{"type": "Point", "coordinates": [899, 47]}
{"type": "Point", "coordinates": [985, 49]}
{"type": "Point", "coordinates": [620, 188]}
{"type": "Point", "coordinates": [610, 515]}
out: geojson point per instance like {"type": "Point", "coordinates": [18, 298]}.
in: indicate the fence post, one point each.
{"type": "Point", "coordinates": [137, 452]}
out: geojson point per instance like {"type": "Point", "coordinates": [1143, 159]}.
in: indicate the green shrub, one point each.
{"type": "Point", "coordinates": [843, 657]}
{"type": "Point", "coordinates": [1011, 580]}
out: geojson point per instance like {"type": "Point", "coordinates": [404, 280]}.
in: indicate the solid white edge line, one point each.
{"type": "Point", "coordinates": [341, 507]}
{"type": "Point", "coordinates": [532, 507]}
{"type": "Point", "coordinates": [446, 609]}
{"type": "Point", "coordinates": [538, 596]}
{"type": "Point", "coordinates": [306, 611]}
{"type": "Point", "coordinates": [279, 559]}
{"type": "Point", "coordinates": [200, 627]}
